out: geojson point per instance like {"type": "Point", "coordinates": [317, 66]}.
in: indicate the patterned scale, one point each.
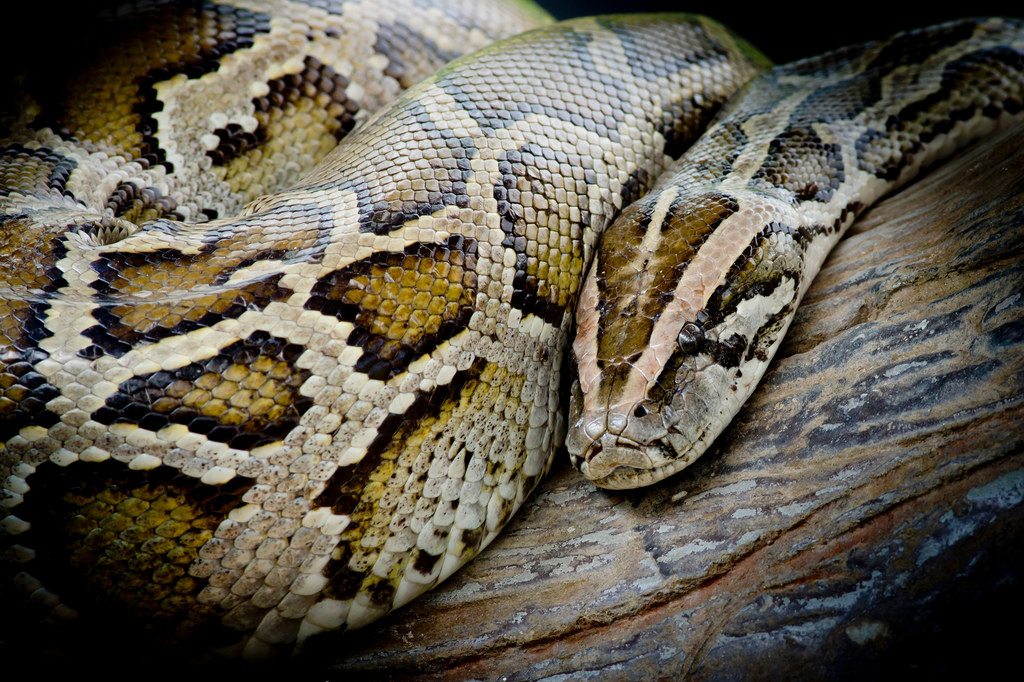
{"type": "Point", "coordinates": [254, 429]}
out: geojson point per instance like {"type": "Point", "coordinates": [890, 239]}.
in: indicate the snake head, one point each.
{"type": "Point", "coordinates": [688, 298]}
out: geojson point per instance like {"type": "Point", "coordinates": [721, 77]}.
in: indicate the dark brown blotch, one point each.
{"type": "Point", "coordinates": [403, 304]}
{"type": "Point", "coordinates": [800, 162]}
{"type": "Point", "coordinates": [245, 396]}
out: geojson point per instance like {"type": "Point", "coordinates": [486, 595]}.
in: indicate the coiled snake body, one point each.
{"type": "Point", "coordinates": [254, 428]}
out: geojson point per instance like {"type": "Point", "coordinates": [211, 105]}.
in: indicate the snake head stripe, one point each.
{"type": "Point", "coordinates": [668, 342]}
{"type": "Point", "coordinates": [694, 285]}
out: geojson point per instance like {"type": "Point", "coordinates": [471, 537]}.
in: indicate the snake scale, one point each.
{"type": "Point", "coordinates": [255, 387]}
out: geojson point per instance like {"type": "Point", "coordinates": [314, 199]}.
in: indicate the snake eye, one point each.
{"type": "Point", "coordinates": [691, 338]}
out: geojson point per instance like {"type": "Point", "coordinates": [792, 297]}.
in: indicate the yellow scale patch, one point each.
{"type": "Point", "coordinates": [410, 297]}
{"type": "Point", "coordinates": [129, 538]}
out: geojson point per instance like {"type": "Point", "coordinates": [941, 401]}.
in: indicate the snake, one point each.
{"type": "Point", "coordinates": [284, 308]}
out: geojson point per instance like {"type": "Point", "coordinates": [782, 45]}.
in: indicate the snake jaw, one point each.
{"type": "Point", "coordinates": [609, 453]}
{"type": "Point", "coordinates": [618, 463]}
{"type": "Point", "coordinates": [613, 449]}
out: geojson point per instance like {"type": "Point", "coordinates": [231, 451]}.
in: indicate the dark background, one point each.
{"type": "Point", "coordinates": [790, 30]}
{"type": "Point", "coordinates": [782, 30]}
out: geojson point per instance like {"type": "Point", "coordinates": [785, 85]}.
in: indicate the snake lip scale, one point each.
{"type": "Point", "coordinates": [272, 365]}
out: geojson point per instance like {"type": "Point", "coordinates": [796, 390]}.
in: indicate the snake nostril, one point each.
{"type": "Point", "coordinates": [640, 411]}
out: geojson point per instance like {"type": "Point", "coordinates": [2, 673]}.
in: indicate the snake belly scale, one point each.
{"type": "Point", "coordinates": [248, 400]}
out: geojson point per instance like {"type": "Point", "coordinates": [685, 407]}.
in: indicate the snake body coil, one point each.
{"type": "Point", "coordinates": [256, 428]}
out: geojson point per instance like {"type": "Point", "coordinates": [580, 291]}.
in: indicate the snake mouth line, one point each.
{"type": "Point", "coordinates": [620, 463]}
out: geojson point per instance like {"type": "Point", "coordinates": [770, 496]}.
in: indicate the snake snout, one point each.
{"type": "Point", "coordinates": [618, 463]}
